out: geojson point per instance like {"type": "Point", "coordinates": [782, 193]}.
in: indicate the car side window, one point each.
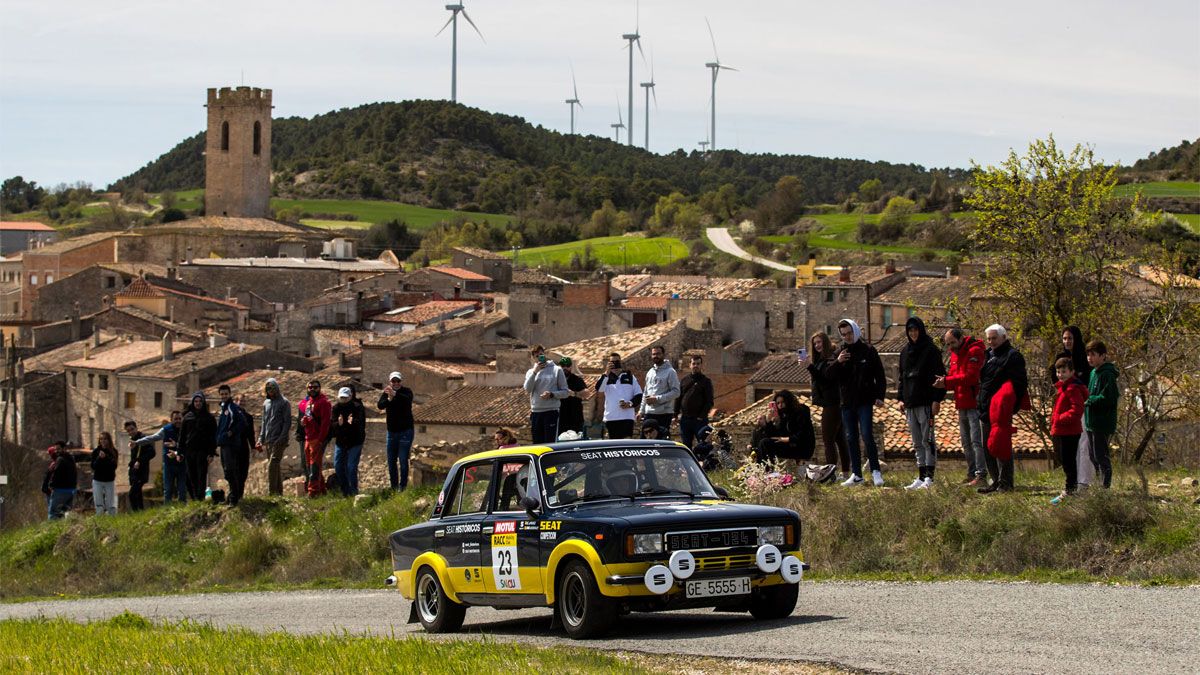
{"type": "Point", "coordinates": [515, 481]}
{"type": "Point", "coordinates": [472, 490]}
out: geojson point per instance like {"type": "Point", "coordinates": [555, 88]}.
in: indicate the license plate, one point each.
{"type": "Point", "coordinates": [707, 588]}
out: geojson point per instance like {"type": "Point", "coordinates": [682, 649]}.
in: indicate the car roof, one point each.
{"type": "Point", "coordinates": [539, 450]}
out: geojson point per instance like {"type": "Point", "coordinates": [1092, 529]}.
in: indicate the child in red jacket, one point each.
{"type": "Point", "coordinates": [1066, 423]}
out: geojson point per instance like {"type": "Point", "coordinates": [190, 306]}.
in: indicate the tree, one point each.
{"type": "Point", "coordinates": [722, 203]}
{"type": "Point", "coordinates": [897, 213]}
{"type": "Point", "coordinates": [1063, 250]}
{"type": "Point", "coordinates": [870, 190]}
{"type": "Point", "coordinates": [675, 212]}
{"type": "Point", "coordinates": [18, 195]}
{"type": "Point", "coordinates": [606, 221]}
{"type": "Point", "coordinates": [782, 205]}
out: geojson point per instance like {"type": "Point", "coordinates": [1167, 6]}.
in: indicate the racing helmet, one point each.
{"type": "Point", "coordinates": [623, 481]}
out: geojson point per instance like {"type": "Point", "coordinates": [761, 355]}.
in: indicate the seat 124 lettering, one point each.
{"type": "Point", "coordinates": [594, 530]}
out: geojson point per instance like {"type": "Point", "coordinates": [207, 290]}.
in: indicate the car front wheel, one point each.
{"type": "Point", "coordinates": [582, 608]}
{"type": "Point", "coordinates": [437, 612]}
{"type": "Point", "coordinates": [774, 602]}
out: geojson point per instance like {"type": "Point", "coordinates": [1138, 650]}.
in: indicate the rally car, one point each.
{"type": "Point", "coordinates": [594, 529]}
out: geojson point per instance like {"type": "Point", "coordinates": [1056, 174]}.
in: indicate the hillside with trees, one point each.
{"type": "Point", "coordinates": [1181, 162]}
{"type": "Point", "coordinates": [444, 155]}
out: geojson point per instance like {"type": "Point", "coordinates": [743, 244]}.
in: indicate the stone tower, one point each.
{"type": "Point", "coordinates": [237, 155]}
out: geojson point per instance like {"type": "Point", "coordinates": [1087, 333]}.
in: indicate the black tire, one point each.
{"type": "Point", "coordinates": [436, 612]}
{"type": "Point", "coordinates": [774, 602]}
{"type": "Point", "coordinates": [582, 609]}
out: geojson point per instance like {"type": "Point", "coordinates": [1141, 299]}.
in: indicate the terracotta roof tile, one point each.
{"type": "Point", "coordinates": [449, 326]}
{"type": "Point", "coordinates": [127, 356]}
{"type": "Point", "coordinates": [716, 288]}
{"type": "Point", "coordinates": [625, 282]}
{"type": "Point", "coordinates": [202, 358]}
{"type": "Point", "coordinates": [140, 288]}
{"type": "Point", "coordinates": [450, 367]}
{"type": "Point", "coordinates": [225, 224]}
{"type": "Point", "coordinates": [859, 276]}
{"type": "Point", "coordinates": [294, 386]}
{"type": "Point", "coordinates": [636, 302]}
{"type": "Point", "coordinates": [926, 291]}
{"type": "Point", "coordinates": [24, 226]}
{"type": "Point", "coordinates": [55, 360]}
{"type": "Point", "coordinates": [782, 369]}
{"type": "Point", "coordinates": [476, 406]}
{"type": "Point", "coordinates": [891, 428]}
{"type": "Point", "coordinates": [180, 330]}
{"type": "Point", "coordinates": [592, 354]}
{"type": "Point", "coordinates": [459, 273]}
{"type": "Point", "coordinates": [528, 276]}
{"type": "Point", "coordinates": [67, 245]}
{"type": "Point", "coordinates": [429, 311]}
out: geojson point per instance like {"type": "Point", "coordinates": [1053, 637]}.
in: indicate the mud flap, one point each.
{"type": "Point", "coordinates": [412, 612]}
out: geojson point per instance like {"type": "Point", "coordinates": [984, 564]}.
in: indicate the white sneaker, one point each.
{"type": "Point", "coordinates": [925, 484]}
{"type": "Point", "coordinates": [915, 484]}
{"type": "Point", "coordinates": [852, 481]}
{"type": "Point", "coordinates": [877, 478]}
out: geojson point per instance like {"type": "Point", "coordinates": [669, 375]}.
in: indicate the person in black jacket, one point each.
{"type": "Point", "coordinates": [920, 366]}
{"type": "Point", "coordinates": [198, 441]}
{"type": "Point", "coordinates": [104, 475]}
{"type": "Point", "coordinates": [825, 395]}
{"type": "Point", "coordinates": [61, 481]}
{"type": "Point", "coordinates": [787, 431]}
{"type": "Point", "coordinates": [570, 413]}
{"type": "Point", "coordinates": [858, 371]}
{"type": "Point", "coordinates": [1004, 364]}
{"type": "Point", "coordinates": [397, 401]}
{"type": "Point", "coordinates": [349, 432]}
{"type": "Point", "coordinates": [695, 401]}
{"type": "Point", "coordinates": [139, 465]}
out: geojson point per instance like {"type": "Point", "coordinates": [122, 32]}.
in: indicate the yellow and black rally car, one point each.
{"type": "Point", "coordinates": [594, 529]}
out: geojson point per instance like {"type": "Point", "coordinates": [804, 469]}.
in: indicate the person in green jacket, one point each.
{"type": "Point", "coordinates": [1100, 409]}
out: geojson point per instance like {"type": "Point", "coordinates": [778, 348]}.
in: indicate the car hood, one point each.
{"type": "Point", "coordinates": [680, 514]}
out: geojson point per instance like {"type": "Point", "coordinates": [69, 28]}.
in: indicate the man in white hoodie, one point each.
{"type": "Point", "coordinates": [546, 384]}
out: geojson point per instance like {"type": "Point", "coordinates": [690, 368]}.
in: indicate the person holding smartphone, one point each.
{"type": "Point", "coordinates": [862, 386]}
{"type": "Point", "coordinates": [546, 384]}
{"type": "Point", "coordinates": [620, 395]}
{"type": "Point", "coordinates": [825, 396]}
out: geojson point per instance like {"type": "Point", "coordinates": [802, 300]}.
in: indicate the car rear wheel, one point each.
{"type": "Point", "coordinates": [582, 608]}
{"type": "Point", "coordinates": [436, 612]}
{"type": "Point", "coordinates": [774, 602]}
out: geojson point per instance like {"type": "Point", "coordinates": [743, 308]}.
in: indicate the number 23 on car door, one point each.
{"type": "Point", "coordinates": [506, 566]}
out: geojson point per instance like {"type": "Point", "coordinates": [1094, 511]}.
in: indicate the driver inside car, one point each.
{"type": "Point", "coordinates": [622, 482]}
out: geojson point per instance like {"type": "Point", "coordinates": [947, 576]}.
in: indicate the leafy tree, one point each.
{"type": "Point", "coordinates": [675, 213]}
{"type": "Point", "coordinates": [722, 203]}
{"type": "Point", "coordinates": [606, 221]}
{"type": "Point", "coordinates": [18, 195]}
{"type": "Point", "coordinates": [168, 199]}
{"type": "Point", "coordinates": [870, 190]}
{"type": "Point", "coordinates": [897, 213]}
{"type": "Point", "coordinates": [1064, 251]}
{"type": "Point", "coordinates": [782, 205]}
{"type": "Point", "coordinates": [939, 194]}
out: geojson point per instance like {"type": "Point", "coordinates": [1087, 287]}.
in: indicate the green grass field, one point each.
{"type": "Point", "coordinates": [638, 251]}
{"type": "Point", "coordinates": [129, 643]}
{"type": "Point", "coordinates": [1160, 189]}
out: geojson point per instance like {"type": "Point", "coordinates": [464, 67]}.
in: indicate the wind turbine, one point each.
{"type": "Point", "coordinates": [620, 122]}
{"type": "Point", "coordinates": [453, 22]}
{"type": "Point", "coordinates": [716, 66]}
{"type": "Point", "coordinates": [633, 38]}
{"type": "Point", "coordinates": [574, 100]}
{"type": "Point", "coordinates": [703, 146]}
{"type": "Point", "coordinates": [649, 87]}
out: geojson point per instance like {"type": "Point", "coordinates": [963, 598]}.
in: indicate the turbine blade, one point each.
{"type": "Point", "coordinates": [637, 22]}
{"type": "Point", "coordinates": [716, 57]}
{"type": "Point", "coordinates": [639, 44]}
{"type": "Point", "coordinates": [654, 95]}
{"type": "Point", "coordinates": [468, 18]}
{"type": "Point", "coordinates": [619, 118]}
{"type": "Point", "coordinates": [444, 26]}
{"type": "Point", "coordinates": [725, 67]}
{"type": "Point", "coordinates": [574, 85]}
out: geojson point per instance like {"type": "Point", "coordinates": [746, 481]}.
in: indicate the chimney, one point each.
{"type": "Point", "coordinates": [188, 259]}
{"type": "Point", "coordinates": [341, 360]}
{"type": "Point", "coordinates": [193, 379]}
{"type": "Point", "coordinates": [96, 338]}
{"type": "Point", "coordinates": [890, 266]}
{"type": "Point", "coordinates": [76, 328]}
{"type": "Point", "coordinates": [457, 291]}
{"type": "Point", "coordinates": [441, 326]}
{"type": "Point", "coordinates": [87, 351]}
{"type": "Point", "coordinates": [168, 348]}
{"type": "Point", "coordinates": [844, 275]}
{"type": "Point", "coordinates": [947, 271]}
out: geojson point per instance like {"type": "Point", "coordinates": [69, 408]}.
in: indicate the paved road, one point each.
{"type": "Point", "coordinates": [945, 627]}
{"type": "Point", "coordinates": [721, 238]}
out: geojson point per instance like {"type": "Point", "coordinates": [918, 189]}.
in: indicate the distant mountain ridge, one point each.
{"type": "Point", "coordinates": [444, 155]}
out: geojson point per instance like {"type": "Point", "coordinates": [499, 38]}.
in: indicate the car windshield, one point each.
{"type": "Point", "coordinates": [572, 476]}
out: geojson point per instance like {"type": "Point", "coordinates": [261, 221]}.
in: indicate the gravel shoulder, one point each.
{"type": "Point", "coordinates": [955, 627]}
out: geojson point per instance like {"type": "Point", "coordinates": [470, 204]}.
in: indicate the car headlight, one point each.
{"type": "Point", "coordinates": [771, 534]}
{"type": "Point", "coordinates": [642, 544]}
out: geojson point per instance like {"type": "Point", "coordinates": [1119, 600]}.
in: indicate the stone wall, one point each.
{"type": "Point", "coordinates": [60, 266]}
{"type": "Point", "coordinates": [557, 324]}
{"type": "Point", "coordinates": [735, 319]}
{"type": "Point", "coordinates": [778, 304]}
{"type": "Point", "coordinates": [288, 286]}
{"type": "Point", "coordinates": [41, 410]}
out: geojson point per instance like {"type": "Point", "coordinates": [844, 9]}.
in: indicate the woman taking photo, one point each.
{"type": "Point", "coordinates": [786, 431]}
{"type": "Point", "coordinates": [825, 396]}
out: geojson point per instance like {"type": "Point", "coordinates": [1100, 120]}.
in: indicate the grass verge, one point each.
{"type": "Point", "coordinates": [1159, 189]}
{"type": "Point", "coordinates": [130, 643]}
{"type": "Point", "coordinates": [1115, 536]}
{"type": "Point", "coordinates": [637, 251]}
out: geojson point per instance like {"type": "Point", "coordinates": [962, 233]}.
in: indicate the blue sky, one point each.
{"type": "Point", "coordinates": [94, 90]}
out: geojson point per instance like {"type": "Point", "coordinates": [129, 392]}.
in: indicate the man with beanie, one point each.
{"type": "Point", "coordinates": [546, 384]}
{"type": "Point", "coordinates": [231, 427]}
{"type": "Point", "coordinates": [862, 385]}
{"type": "Point", "coordinates": [273, 434]}
{"type": "Point", "coordinates": [396, 402]}
{"type": "Point", "coordinates": [315, 413]}
{"type": "Point", "coordinates": [920, 401]}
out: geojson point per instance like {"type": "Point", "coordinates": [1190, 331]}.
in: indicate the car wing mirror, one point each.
{"type": "Point", "coordinates": [530, 504]}
{"type": "Point", "coordinates": [721, 492]}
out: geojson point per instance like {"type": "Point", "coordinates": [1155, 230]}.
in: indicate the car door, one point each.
{"type": "Point", "coordinates": [511, 538]}
{"type": "Point", "coordinates": [463, 515]}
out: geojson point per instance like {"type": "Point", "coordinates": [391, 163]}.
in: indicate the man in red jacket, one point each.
{"type": "Point", "coordinates": [315, 416]}
{"type": "Point", "coordinates": [966, 358]}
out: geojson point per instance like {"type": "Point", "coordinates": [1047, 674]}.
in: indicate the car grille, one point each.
{"type": "Point", "coordinates": [702, 540]}
{"type": "Point", "coordinates": [724, 562]}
